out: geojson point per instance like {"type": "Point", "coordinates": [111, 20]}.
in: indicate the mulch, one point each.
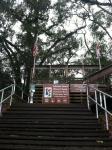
{"type": "Point", "coordinates": [102, 120]}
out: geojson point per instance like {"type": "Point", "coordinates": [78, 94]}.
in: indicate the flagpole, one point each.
{"type": "Point", "coordinates": [34, 54]}
{"type": "Point", "coordinates": [99, 64]}
{"type": "Point", "coordinates": [33, 69]}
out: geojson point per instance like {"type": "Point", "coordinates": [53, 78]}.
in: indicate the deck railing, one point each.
{"type": "Point", "coordinates": [60, 80]}
{"type": "Point", "coordinates": [100, 102]}
{"type": "Point", "coordinates": [8, 93]}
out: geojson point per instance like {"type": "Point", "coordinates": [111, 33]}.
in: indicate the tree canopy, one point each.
{"type": "Point", "coordinates": [66, 28]}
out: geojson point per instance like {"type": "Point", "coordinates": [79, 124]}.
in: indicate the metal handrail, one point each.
{"type": "Point", "coordinates": [12, 89]}
{"type": "Point", "coordinates": [102, 98]}
{"type": "Point", "coordinates": [22, 93]}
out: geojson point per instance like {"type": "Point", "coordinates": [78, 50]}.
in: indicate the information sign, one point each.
{"type": "Point", "coordinates": [56, 93]}
{"type": "Point", "coordinates": [81, 87]}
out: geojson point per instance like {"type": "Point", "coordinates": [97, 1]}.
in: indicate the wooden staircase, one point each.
{"type": "Point", "coordinates": [78, 97]}
{"type": "Point", "coordinates": [51, 127]}
{"type": "Point", "coordinates": [38, 94]}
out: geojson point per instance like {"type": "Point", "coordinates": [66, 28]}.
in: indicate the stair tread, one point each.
{"type": "Point", "coordinates": [54, 130]}
{"type": "Point", "coordinates": [55, 139]}
{"type": "Point", "coordinates": [32, 147]}
{"type": "Point", "coordinates": [59, 117]}
{"type": "Point", "coordinates": [48, 123]}
{"type": "Point", "coordinates": [58, 143]}
{"type": "Point", "coordinates": [48, 105]}
{"type": "Point", "coordinates": [51, 126]}
{"type": "Point", "coordinates": [50, 108]}
{"type": "Point", "coordinates": [44, 120]}
{"type": "Point", "coordinates": [54, 134]}
{"type": "Point", "coordinates": [48, 112]}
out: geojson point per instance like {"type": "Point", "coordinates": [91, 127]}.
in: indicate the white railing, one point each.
{"type": "Point", "coordinates": [100, 101]}
{"type": "Point", "coordinates": [8, 92]}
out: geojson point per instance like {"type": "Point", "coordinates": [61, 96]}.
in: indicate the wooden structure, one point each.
{"type": "Point", "coordinates": [99, 74]}
{"type": "Point", "coordinates": [48, 78]}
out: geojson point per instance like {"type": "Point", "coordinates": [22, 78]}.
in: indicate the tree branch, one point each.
{"type": "Point", "coordinates": [49, 28]}
{"type": "Point", "coordinates": [12, 45]}
{"type": "Point", "coordinates": [10, 56]}
{"type": "Point", "coordinates": [102, 27]}
{"type": "Point", "coordinates": [87, 44]}
{"type": "Point", "coordinates": [95, 2]}
{"type": "Point", "coordinates": [59, 40]}
{"type": "Point", "coordinates": [105, 10]}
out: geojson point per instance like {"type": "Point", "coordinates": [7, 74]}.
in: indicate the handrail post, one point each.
{"type": "Point", "coordinates": [1, 103]}
{"type": "Point", "coordinates": [28, 99]}
{"type": "Point", "coordinates": [106, 115]}
{"type": "Point", "coordinates": [0, 108]}
{"type": "Point", "coordinates": [88, 97]}
{"type": "Point", "coordinates": [14, 88]}
{"type": "Point", "coordinates": [22, 94]}
{"type": "Point", "coordinates": [12, 92]}
{"type": "Point", "coordinates": [97, 115]}
{"type": "Point", "coordinates": [100, 99]}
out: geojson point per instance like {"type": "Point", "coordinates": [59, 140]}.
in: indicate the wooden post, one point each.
{"type": "Point", "coordinates": [50, 74]}
{"type": "Point", "coordinates": [88, 94]}
{"type": "Point", "coordinates": [83, 74]}
{"type": "Point", "coordinates": [66, 72]}
{"type": "Point", "coordinates": [50, 71]}
{"type": "Point", "coordinates": [31, 75]}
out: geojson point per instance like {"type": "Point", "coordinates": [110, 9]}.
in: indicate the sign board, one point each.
{"type": "Point", "coordinates": [56, 93]}
{"type": "Point", "coordinates": [77, 88]}
{"type": "Point", "coordinates": [81, 87]}
{"type": "Point", "coordinates": [55, 81]}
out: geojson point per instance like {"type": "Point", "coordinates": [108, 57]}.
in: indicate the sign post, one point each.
{"type": "Point", "coordinates": [32, 90]}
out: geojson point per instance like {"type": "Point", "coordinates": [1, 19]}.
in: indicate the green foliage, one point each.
{"type": "Point", "coordinates": [62, 41]}
{"type": "Point", "coordinates": [5, 79]}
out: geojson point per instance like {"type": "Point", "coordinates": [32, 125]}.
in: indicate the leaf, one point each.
{"type": "Point", "coordinates": [100, 142]}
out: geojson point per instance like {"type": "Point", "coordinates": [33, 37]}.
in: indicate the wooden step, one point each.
{"type": "Point", "coordinates": [55, 143]}
{"type": "Point", "coordinates": [32, 147]}
{"type": "Point", "coordinates": [48, 120]}
{"type": "Point", "coordinates": [49, 113]}
{"type": "Point", "coordinates": [56, 133]}
{"type": "Point", "coordinates": [82, 130]}
{"type": "Point", "coordinates": [48, 109]}
{"type": "Point", "coordinates": [49, 105]}
{"type": "Point", "coordinates": [41, 117]}
{"type": "Point", "coordinates": [52, 126]}
{"type": "Point", "coordinates": [55, 138]}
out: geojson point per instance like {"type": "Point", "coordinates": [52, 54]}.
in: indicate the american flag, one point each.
{"type": "Point", "coordinates": [98, 51]}
{"type": "Point", "coordinates": [35, 48]}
